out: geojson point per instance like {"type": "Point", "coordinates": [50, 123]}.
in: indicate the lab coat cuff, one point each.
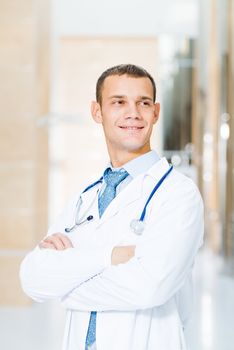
{"type": "Point", "coordinates": [138, 251]}
{"type": "Point", "coordinates": [107, 254]}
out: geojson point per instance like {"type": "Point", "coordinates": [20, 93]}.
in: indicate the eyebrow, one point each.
{"type": "Point", "coordinates": [117, 96]}
{"type": "Point", "coordinates": [139, 97]}
{"type": "Point", "coordinates": [146, 98]}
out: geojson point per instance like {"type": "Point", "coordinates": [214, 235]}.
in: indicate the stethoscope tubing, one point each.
{"type": "Point", "coordinates": [142, 217]}
{"type": "Point", "coordinates": [93, 185]}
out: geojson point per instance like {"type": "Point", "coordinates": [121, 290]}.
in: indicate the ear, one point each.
{"type": "Point", "coordinates": [96, 112]}
{"type": "Point", "coordinates": [156, 111]}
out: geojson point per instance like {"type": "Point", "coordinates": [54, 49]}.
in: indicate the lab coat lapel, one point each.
{"type": "Point", "coordinates": [158, 169]}
{"type": "Point", "coordinates": [134, 190]}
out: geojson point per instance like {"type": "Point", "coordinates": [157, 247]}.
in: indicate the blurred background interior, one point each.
{"type": "Point", "coordinates": [51, 54]}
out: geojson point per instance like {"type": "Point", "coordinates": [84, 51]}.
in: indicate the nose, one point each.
{"type": "Point", "coordinates": [132, 111]}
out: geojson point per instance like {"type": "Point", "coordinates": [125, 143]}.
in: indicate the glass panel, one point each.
{"type": "Point", "coordinates": [177, 97]}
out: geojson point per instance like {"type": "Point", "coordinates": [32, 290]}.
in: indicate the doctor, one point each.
{"type": "Point", "coordinates": [120, 256]}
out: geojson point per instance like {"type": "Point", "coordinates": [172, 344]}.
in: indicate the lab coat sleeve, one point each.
{"type": "Point", "coordinates": [49, 274]}
{"type": "Point", "coordinates": [163, 260]}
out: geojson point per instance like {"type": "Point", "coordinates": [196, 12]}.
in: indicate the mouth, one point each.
{"type": "Point", "coordinates": [131, 127]}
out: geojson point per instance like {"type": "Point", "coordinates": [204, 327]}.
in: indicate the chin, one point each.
{"type": "Point", "coordinates": [129, 145]}
{"type": "Point", "coordinates": [136, 148]}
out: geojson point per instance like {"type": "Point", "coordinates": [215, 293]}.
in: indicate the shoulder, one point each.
{"type": "Point", "coordinates": [182, 180]}
{"type": "Point", "coordinates": [176, 182]}
{"type": "Point", "coordinates": [182, 188]}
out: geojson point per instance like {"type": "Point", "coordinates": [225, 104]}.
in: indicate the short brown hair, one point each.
{"type": "Point", "coordinates": [122, 69]}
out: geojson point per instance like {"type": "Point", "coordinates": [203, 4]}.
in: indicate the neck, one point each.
{"type": "Point", "coordinates": [118, 159]}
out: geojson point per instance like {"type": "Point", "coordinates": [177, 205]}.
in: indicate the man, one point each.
{"type": "Point", "coordinates": [126, 285]}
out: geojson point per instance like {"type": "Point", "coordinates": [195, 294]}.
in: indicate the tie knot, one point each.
{"type": "Point", "coordinates": [113, 178]}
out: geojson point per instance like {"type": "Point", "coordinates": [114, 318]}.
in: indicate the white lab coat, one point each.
{"type": "Point", "coordinates": [144, 303]}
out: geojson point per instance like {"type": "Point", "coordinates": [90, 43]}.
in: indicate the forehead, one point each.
{"type": "Point", "coordinates": [125, 85]}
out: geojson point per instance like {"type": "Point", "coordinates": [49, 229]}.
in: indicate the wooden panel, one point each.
{"type": "Point", "coordinates": [18, 140]}
{"type": "Point", "coordinates": [24, 96]}
{"type": "Point", "coordinates": [17, 230]}
{"type": "Point", "coordinates": [17, 92]}
{"type": "Point", "coordinates": [19, 187]}
{"type": "Point", "coordinates": [17, 9]}
{"type": "Point", "coordinates": [16, 42]}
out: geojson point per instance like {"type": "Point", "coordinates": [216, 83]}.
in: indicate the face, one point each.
{"type": "Point", "coordinates": [127, 113]}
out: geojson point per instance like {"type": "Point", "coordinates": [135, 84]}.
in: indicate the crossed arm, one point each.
{"type": "Point", "coordinates": [159, 267]}
{"type": "Point", "coordinates": [120, 277]}
{"type": "Point", "coordinates": [59, 241]}
{"type": "Point", "coordinates": [54, 268]}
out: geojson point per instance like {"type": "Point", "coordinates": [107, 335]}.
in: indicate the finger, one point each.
{"type": "Point", "coordinates": [59, 241]}
{"type": "Point", "coordinates": [65, 240]}
{"type": "Point", "coordinates": [56, 241]}
{"type": "Point", "coordinates": [45, 245]}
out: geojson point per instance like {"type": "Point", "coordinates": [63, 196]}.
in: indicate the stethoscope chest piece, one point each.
{"type": "Point", "coordinates": [137, 226]}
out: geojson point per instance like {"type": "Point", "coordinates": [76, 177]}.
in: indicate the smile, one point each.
{"type": "Point", "coordinates": [131, 127]}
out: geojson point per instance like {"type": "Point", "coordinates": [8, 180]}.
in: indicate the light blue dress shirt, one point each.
{"type": "Point", "coordinates": [135, 167]}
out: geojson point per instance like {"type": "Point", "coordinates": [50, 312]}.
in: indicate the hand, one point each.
{"type": "Point", "coordinates": [122, 254]}
{"type": "Point", "coordinates": [56, 241]}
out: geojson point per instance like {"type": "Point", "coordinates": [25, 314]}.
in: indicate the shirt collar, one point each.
{"type": "Point", "coordinates": [140, 164]}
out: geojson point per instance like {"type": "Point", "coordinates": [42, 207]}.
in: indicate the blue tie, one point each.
{"type": "Point", "coordinates": [112, 180]}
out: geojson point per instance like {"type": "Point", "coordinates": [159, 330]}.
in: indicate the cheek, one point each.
{"type": "Point", "coordinates": [152, 118]}
{"type": "Point", "coordinates": [110, 119]}
{"type": "Point", "coordinates": [109, 126]}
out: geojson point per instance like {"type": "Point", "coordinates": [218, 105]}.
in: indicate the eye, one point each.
{"type": "Point", "coordinates": [145, 103]}
{"type": "Point", "coordinates": [118, 102]}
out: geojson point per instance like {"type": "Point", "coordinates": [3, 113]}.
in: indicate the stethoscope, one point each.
{"type": "Point", "coordinates": [136, 225]}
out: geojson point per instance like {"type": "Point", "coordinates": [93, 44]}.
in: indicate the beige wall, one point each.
{"type": "Point", "coordinates": [24, 67]}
